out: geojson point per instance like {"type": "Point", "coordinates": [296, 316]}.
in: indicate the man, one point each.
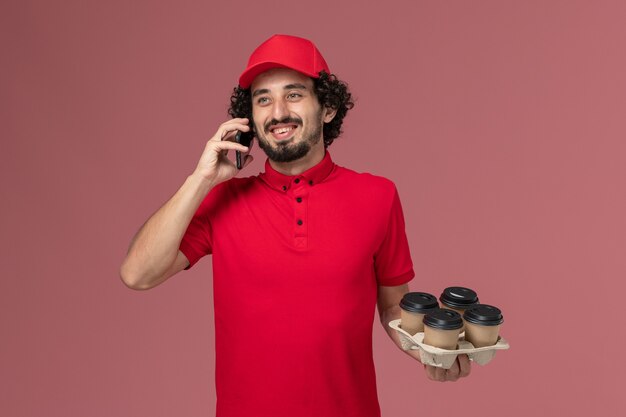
{"type": "Point", "coordinates": [302, 252]}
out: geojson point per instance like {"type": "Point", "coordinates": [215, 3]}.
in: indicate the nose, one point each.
{"type": "Point", "coordinates": [279, 110]}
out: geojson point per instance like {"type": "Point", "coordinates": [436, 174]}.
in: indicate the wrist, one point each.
{"type": "Point", "coordinates": [200, 181]}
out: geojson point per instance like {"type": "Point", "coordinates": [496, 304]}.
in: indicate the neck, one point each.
{"type": "Point", "coordinates": [297, 167]}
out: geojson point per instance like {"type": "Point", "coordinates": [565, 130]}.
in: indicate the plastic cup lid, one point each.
{"type": "Point", "coordinates": [443, 319]}
{"type": "Point", "coordinates": [418, 302]}
{"type": "Point", "coordinates": [458, 297]}
{"type": "Point", "coordinates": [484, 315]}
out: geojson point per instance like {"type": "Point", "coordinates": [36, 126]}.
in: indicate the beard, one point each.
{"type": "Point", "coordinates": [288, 151]}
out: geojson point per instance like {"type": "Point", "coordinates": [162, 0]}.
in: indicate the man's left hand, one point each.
{"type": "Point", "coordinates": [459, 369]}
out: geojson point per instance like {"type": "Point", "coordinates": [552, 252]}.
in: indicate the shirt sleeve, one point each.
{"type": "Point", "coordinates": [197, 240]}
{"type": "Point", "coordinates": [392, 261]}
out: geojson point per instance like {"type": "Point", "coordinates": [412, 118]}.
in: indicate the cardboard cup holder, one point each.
{"type": "Point", "coordinates": [444, 358]}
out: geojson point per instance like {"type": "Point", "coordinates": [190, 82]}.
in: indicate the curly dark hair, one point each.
{"type": "Point", "coordinates": [330, 91]}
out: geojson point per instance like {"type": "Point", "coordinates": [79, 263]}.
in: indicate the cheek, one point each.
{"type": "Point", "coordinates": [312, 114]}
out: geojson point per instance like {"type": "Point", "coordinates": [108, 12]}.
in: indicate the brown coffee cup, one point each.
{"type": "Point", "coordinates": [482, 325]}
{"type": "Point", "coordinates": [413, 308]}
{"type": "Point", "coordinates": [442, 328]}
{"type": "Point", "coordinates": [458, 299]}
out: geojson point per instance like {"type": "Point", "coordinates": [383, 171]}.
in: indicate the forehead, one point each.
{"type": "Point", "coordinates": [278, 78]}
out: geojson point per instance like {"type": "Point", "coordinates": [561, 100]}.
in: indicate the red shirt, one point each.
{"type": "Point", "coordinates": [296, 265]}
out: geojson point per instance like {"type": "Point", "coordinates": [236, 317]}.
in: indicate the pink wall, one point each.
{"type": "Point", "coordinates": [501, 122]}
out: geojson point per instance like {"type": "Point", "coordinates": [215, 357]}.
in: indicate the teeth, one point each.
{"type": "Point", "coordinates": [283, 130]}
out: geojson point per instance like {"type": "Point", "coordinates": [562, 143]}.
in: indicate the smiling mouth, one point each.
{"type": "Point", "coordinates": [283, 132]}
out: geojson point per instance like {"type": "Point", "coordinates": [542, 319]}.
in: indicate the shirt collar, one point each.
{"type": "Point", "coordinates": [311, 176]}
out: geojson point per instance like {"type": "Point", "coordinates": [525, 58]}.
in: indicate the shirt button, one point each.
{"type": "Point", "coordinates": [311, 182]}
{"type": "Point", "coordinates": [284, 188]}
{"type": "Point", "coordinates": [299, 199]}
{"type": "Point", "coordinates": [300, 222]}
{"type": "Point", "coordinates": [297, 180]}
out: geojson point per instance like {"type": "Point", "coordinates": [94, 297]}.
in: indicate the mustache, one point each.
{"type": "Point", "coordinates": [286, 120]}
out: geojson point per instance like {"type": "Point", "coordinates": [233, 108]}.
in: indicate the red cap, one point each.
{"type": "Point", "coordinates": [284, 51]}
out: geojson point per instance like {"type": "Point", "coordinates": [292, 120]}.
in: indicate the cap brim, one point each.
{"type": "Point", "coordinates": [248, 76]}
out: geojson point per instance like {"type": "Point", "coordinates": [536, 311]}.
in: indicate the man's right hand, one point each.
{"type": "Point", "coordinates": [154, 253]}
{"type": "Point", "coordinates": [214, 165]}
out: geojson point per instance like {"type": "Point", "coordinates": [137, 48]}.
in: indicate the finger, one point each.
{"type": "Point", "coordinates": [430, 372]}
{"type": "Point", "coordinates": [230, 128]}
{"type": "Point", "coordinates": [452, 374]}
{"type": "Point", "coordinates": [427, 370]}
{"type": "Point", "coordinates": [230, 136]}
{"type": "Point", "coordinates": [243, 120]}
{"type": "Point", "coordinates": [465, 365]}
{"type": "Point", "coordinates": [435, 374]}
{"type": "Point", "coordinates": [440, 374]}
{"type": "Point", "coordinates": [227, 145]}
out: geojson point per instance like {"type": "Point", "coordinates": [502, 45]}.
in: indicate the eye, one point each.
{"type": "Point", "coordinates": [263, 100]}
{"type": "Point", "coordinates": [294, 96]}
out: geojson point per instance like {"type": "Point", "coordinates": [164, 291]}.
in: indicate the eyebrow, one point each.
{"type": "Point", "coordinates": [259, 92]}
{"type": "Point", "coordinates": [296, 85]}
{"type": "Point", "coordinates": [287, 87]}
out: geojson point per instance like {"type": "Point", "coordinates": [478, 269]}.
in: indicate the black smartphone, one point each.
{"type": "Point", "coordinates": [245, 138]}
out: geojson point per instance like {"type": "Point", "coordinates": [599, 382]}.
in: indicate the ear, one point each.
{"type": "Point", "coordinates": [329, 114]}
